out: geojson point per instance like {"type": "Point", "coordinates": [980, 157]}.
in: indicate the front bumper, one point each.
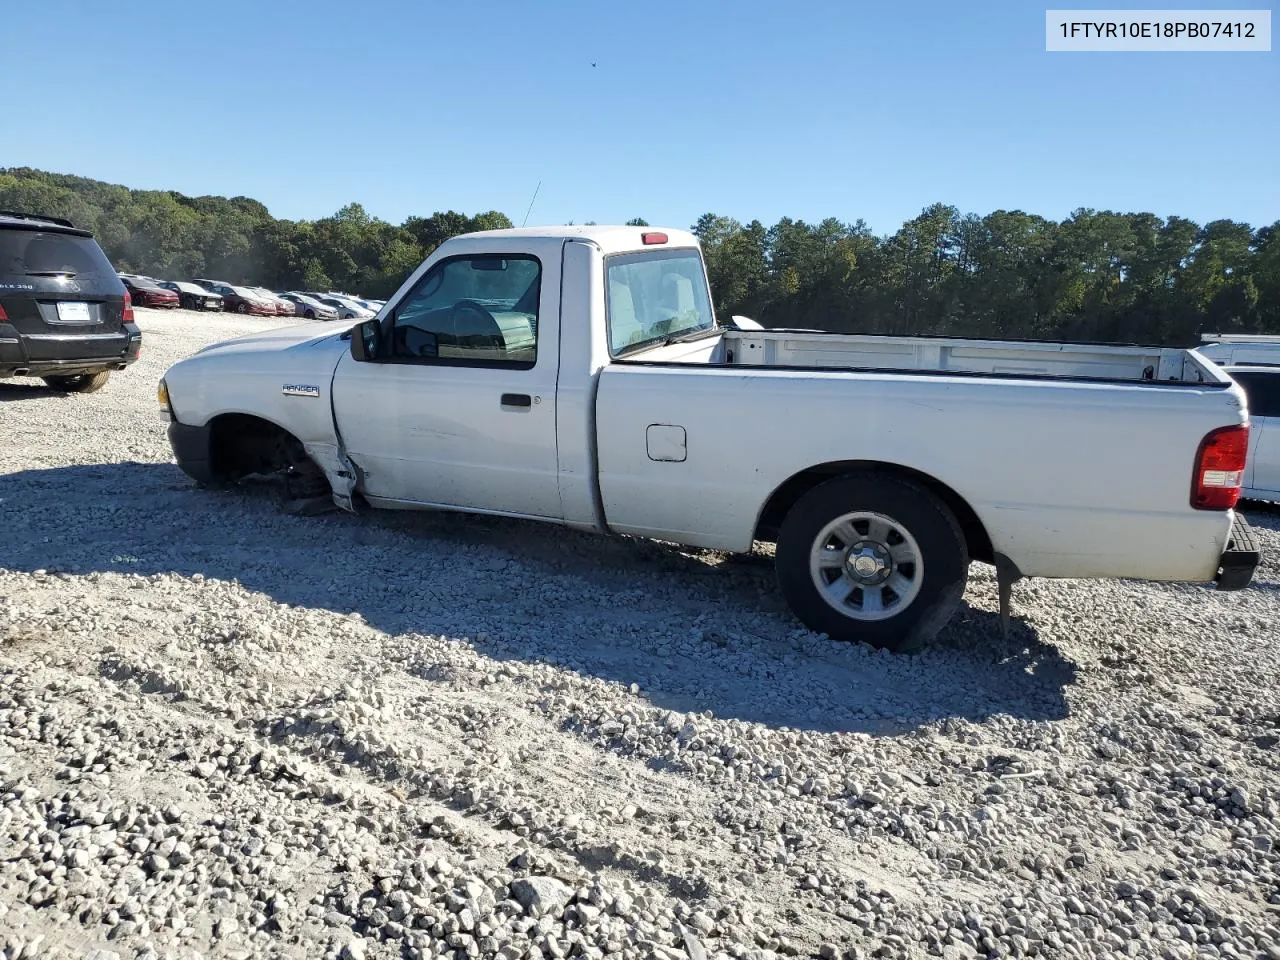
{"type": "Point", "coordinates": [1240, 559]}
{"type": "Point", "coordinates": [192, 450]}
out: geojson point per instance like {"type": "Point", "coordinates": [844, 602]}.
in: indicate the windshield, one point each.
{"type": "Point", "coordinates": [654, 296]}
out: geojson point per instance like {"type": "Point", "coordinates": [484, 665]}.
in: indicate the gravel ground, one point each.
{"type": "Point", "coordinates": [226, 731]}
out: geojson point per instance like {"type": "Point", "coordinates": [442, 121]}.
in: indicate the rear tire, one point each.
{"type": "Point", "coordinates": [83, 383]}
{"type": "Point", "coordinates": [874, 558]}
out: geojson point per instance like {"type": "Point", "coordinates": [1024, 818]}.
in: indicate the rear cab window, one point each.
{"type": "Point", "coordinates": [652, 296]}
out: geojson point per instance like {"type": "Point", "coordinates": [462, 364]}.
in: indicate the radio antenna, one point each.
{"type": "Point", "coordinates": [535, 197]}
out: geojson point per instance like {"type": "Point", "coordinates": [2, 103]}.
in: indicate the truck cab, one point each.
{"type": "Point", "coordinates": [493, 374]}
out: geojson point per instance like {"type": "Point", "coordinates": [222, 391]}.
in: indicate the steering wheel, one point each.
{"type": "Point", "coordinates": [475, 307]}
{"type": "Point", "coordinates": [488, 328]}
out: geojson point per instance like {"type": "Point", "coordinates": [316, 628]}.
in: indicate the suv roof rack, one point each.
{"type": "Point", "coordinates": [19, 215]}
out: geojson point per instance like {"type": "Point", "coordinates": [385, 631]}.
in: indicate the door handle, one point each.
{"type": "Point", "coordinates": [517, 400]}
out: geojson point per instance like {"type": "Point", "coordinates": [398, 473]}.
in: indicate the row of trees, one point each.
{"type": "Point", "coordinates": [1096, 275]}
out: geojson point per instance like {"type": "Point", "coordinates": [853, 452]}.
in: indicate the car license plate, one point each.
{"type": "Point", "coordinates": [73, 312]}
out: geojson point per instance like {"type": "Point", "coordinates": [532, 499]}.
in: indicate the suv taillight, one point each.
{"type": "Point", "coordinates": [128, 308]}
{"type": "Point", "coordinates": [3, 316]}
{"type": "Point", "coordinates": [1220, 464]}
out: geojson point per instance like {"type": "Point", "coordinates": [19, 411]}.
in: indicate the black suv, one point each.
{"type": "Point", "coordinates": [64, 314]}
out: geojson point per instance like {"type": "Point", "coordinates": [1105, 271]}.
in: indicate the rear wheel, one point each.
{"type": "Point", "coordinates": [873, 558]}
{"type": "Point", "coordinates": [83, 383]}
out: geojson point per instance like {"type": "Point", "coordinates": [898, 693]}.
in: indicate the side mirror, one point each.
{"type": "Point", "coordinates": [366, 341]}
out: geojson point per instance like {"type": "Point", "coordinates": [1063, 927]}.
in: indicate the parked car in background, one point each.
{"type": "Point", "coordinates": [244, 300]}
{"type": "Point", "coordinates": [347, 309]}
{"type": "Point", "coordinates": [193, 297]}
{"type": "Point", "coordinates": [65, 315]}
{"type": "Point", "coordinates": [147, 292]}
{"type": "Point", "coordinates": [284, 308]}
{"type": "Point", "coordinates": [1261, 385]}
{"type": "Point", "coordinates": [1253, 361]}
{"type": "Point", "coordinates": [210, 284]}
{"type": "Point", "coordinates": [342, 300]}
{"type": "Point", "coordinates": [1241, 348]}
{"type": "Point", "coordinates": [310, 307]}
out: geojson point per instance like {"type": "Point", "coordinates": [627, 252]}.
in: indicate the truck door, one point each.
{"type": "Point", "coordinates": [459, 407]}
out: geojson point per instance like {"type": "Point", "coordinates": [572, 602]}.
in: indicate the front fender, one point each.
{"type": "Point", "coordinates": [287, 383]}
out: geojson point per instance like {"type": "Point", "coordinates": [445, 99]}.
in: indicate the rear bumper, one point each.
{"type": "Point", "coordinates": [16, 361]}
{"type": "Point", "coordinates": [192, 451]}
{"type": "Point", "coordinates": [64, 368]}
{"type": "Point", "coordinates": [1240, 559]}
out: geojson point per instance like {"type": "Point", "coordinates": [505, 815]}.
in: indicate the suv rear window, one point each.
{"type": "Point", "coordinates": [34, 253]}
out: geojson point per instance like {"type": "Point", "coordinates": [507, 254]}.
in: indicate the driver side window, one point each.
{"type": "Point", "coordinates": [479, 310]}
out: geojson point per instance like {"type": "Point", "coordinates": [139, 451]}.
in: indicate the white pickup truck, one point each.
{"type": "Point", "coordinates": [578, 375]}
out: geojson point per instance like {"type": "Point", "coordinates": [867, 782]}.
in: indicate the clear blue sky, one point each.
{"type": "Point", "coordinates": [749, 109]}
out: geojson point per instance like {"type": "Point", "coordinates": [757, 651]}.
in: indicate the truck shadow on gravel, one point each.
{"type": "Point", "coordinates": [695, 630]}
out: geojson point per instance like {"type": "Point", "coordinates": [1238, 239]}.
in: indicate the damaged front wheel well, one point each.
{"type": "Point", "coordinates": [242, 445]}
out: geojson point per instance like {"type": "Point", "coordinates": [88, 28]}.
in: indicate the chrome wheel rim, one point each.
{"type": "Point", "coordinates": [866, 566]}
